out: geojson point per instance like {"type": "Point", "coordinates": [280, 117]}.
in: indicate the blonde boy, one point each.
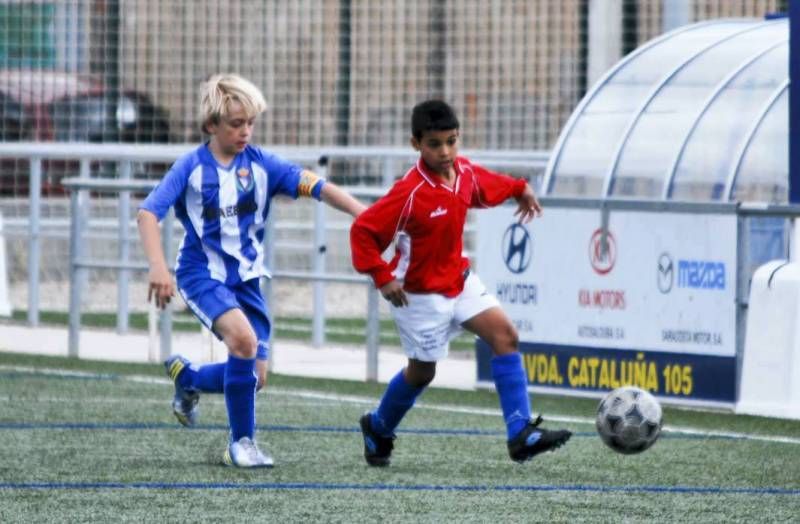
{"type": "Point", "coordinates": [221, 192]}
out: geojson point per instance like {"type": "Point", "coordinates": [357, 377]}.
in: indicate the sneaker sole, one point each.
{"type": "Point", "coordinates": [183, 419]}
{"type": "Point", "coordinates": [227, 460]}
{"type": "Point", "coordinates": [186, 419]}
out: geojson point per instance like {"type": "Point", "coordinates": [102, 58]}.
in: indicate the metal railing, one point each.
{"type": "Point", "coordinates": [125, 155]}
{"type": "Point", "coordinates": [83, 186]}
{"type": "Point", "coordinates": [79, 263]}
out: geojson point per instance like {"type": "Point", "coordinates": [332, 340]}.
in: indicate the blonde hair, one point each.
{"type": "Point", "coordinates": [219, 91]}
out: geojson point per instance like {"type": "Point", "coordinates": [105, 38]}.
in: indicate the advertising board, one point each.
{"type": "Point", "coordinates": [646, 299]}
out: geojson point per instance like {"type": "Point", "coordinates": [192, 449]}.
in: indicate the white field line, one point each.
{"type": "Point", "coordinates": [355, 399]}
{"type": "Point", "coordinates": [215, 400]}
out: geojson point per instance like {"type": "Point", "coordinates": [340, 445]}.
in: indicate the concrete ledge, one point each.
{"type": "Point", "coordinates": [290, 357]}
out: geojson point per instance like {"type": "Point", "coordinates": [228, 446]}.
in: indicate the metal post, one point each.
{"type": "Point", "coordinates": [152, 339]}
{"type": "Point", "coordinates": [83, 215]}
{"type": "Point", "coordinates": [266, 286]}
{"type": "Point", "coordinates": [604, 219]}
{"type": "Point", "coordinates": [794, 102]}
{"type": "Point", "coordinates": [437, 54]}
{"type": "Point", "coordinates": [343, 70]}
{"type": "Point", "coordinates": [75, 282]}
{"type": "Point", "coordinates": [5, 301]}
{"type": "Point", "coordinates": [495, 69]}
{"type": "Point", "coordinates": [34, 197]}
{"type": "Point", "coordinates": [604, 41]}
{"type": "Point", "coordinates": [318, 267]}
{"type": "Point", "coordinates": [677, 13]}
{"type": "Point", "coordinates": [165, 316]}
{"type": "Point", "coordinates": [373, 333]}
{"type": "Point", "coordinates": [387, 177]}
{"type": "Point", "coordinates": [742, 293]}
{"type": "Point", "coordinates": [123, 276]}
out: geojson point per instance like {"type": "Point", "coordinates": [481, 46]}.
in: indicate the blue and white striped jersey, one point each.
{"type": "Point", "coordinates": [224, 209]}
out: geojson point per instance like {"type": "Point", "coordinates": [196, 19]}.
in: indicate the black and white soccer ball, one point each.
{"type": "Point", "coordinates": [629, 420]}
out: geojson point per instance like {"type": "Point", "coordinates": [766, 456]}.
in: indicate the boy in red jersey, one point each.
{"type": "Point", "coordinates": [432, 292]}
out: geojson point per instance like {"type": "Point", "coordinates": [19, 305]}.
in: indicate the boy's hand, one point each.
{"type": "Point", "coordinates": [161, 287]}
{"type": "Point", "coordinates": [393, 292]}
{"type": "Point", "coordinates": [528, 206]}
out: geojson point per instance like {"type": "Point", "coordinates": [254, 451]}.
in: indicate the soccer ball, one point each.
{"type": "Point", "coordinates": [629, 420]}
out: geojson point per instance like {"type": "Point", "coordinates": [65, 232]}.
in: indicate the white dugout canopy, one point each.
{"type": "Point", "coordinates": [699, 114]}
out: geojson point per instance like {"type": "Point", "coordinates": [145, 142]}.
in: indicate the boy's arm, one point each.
{"type": "Point", "coordinates": [373, 231]}
{"type": "Point", "coordinates": [492, 189]}
{"type": "Point", "coordinates": [336, 197]}
{"type": "Point", "coordinates": [161, 287]}
{"type": "Point", "coordinates": [366, 247]}
{"type": "Point", "coordinates": [155, 207]}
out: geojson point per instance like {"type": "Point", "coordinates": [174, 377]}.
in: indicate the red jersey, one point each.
{"type": "Point", "coordinates": [426, 218]}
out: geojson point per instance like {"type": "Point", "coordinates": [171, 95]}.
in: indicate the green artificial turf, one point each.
{"type": "Point", "coordinates": [96, 441]}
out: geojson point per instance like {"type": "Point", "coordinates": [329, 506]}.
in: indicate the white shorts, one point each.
{"type": "Point", "coordinates": [430, 320]}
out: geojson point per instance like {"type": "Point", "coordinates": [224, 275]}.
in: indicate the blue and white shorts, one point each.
{"type": "Point", "coordinates": [209, 298]}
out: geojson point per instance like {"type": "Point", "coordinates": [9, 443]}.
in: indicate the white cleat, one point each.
{"type": "Point", "coordinates": [244, 453]}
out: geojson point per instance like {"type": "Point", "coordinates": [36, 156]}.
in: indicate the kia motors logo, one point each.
{"type": "Point", "coordinates": [666, 273]}
{"type": "Point", "coordinates": [517, 248]}
{"type": "Point", "coordinates": [602, 251]}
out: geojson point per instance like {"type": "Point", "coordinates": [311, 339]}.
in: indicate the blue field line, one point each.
{"type": "Point", "coordinates": [139, 426]}
{"type": "Point", "coordinates": [222, 427]}
{"type": "Point", "coordinates": [325, 486]}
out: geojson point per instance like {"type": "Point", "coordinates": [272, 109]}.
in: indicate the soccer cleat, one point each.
{"type": "Point", "coordinates": [244, 453]}
{"type": "Point", "coordinates": [377, 448]}
{"type": "Point", "coordinates": [184, 403]}
{"type": "Point", "coordinates": [533, 440]}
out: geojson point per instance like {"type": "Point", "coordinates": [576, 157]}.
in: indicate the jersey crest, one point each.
{"type": "Point", "coordinates": [244, 179]}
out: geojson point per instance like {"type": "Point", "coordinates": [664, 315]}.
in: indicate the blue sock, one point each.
{"type": "Point", "coordinates": [211, 378]}
{"type": "Point", "coordinates": [240, 396]}
{"type": "Point", "coordinates": [397, 400]}
{"type": "Point", "coordinates": [512, 388]}
{"type": "Point", "coordinates": [207, 379]}
{"type": "Point", "coordinates": [187, 378]}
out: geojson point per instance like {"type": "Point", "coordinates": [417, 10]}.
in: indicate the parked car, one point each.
{"type": "Point", "coordinates": [67, 107]}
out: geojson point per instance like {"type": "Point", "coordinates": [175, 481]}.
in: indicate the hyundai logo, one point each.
{"type": "Point", "coordinates": [602, 251]}
{"type": "Point", "coordinates": [517, 248]}
{"type": "Point", "coordinates": [666, 273]}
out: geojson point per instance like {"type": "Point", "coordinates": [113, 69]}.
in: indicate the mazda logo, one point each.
{"type": "Point", "coordinates": [517, 248]}
{"type": "Point", "coordinates": [666, 273]}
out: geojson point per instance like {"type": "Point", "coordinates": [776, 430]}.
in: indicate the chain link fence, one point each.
{"type": "Point", "coordinates": [334, 72]}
